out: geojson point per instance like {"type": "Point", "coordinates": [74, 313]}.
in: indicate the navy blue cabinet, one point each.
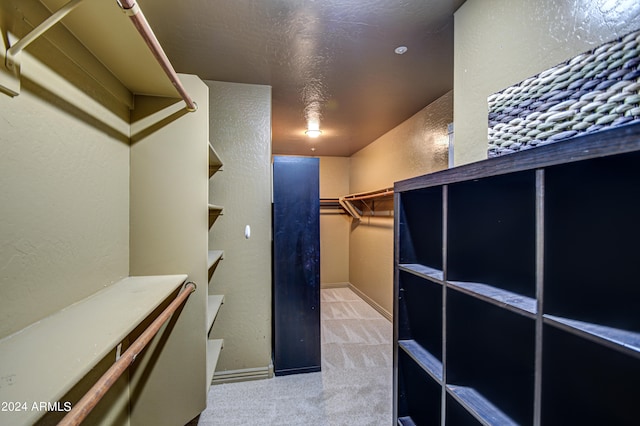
{"type": "Point", "coordinates": [296, 265]}
{"type": "Point", "coordinates": [516, 295]}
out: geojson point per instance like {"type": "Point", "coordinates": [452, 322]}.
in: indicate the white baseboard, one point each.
{"type": "Point", "coordinates": [243, 375]}
{"type": "Point", "coordinates": [372, 303]}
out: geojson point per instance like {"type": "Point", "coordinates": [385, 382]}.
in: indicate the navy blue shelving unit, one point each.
{"type": "Point", "coordinates": [296, 265]}
{"type": "Point", "coordinates": [516, 296]}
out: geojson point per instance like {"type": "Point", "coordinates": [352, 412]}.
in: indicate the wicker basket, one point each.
{"type": "Point", "coordinates": [592, 91]}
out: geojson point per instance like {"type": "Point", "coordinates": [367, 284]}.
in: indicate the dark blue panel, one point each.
{"type": "Point", "coordinates": [296, 264]}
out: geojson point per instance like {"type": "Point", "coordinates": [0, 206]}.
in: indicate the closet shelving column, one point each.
{"type": "Point", "coordinates": [515, 300]}
{"type": "Point", "coordinates": [214, 346]}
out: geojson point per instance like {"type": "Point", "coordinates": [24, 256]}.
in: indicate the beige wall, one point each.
{"type": "Point", "coordinates": [64, 190]}
{"type": "Point", "coordinates": [334, 226]}
{"type": "Point", "coordinates": [415, 147]}
{"type": "Point", "coordinates": [501, 42]}
{"type": "Point", "coordinates": [240, 131]}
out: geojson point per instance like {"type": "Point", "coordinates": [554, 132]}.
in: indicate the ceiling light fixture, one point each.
{"type": "Point", "coordinates": [313, 133]}
{"type": "Point", "coordinates": [401, 50]}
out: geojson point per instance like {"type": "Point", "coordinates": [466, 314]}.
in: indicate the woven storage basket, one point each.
{"type": "Point", "coordinates": [594, 90]}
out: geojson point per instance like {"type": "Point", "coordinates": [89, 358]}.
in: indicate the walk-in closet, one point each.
{"type": "Point", "coordinates": [321, 213]}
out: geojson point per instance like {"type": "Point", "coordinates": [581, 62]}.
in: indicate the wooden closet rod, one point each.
{"type": "Point", "coordinates": [83, 407]}
{"type": "Point", "coordinates": [132, 10]}
{"type": "Point", "coordinates": [368, 195]}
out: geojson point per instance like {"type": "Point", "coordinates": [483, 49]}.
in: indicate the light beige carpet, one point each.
{"type": "Point", "coordinates": [354, 387]}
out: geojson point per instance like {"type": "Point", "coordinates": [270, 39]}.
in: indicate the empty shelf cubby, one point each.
{"type": "Point", "coordinates": [491, 232]}
{"type": "Point", "coordinates": [584, 383]}
{"type": "Point", "coordinates": [420, 313]}
{"type": "Point", "coordinates": [419, 396]}
{"type": "Point", "coordinates": [592, 230]}
{"type": "Point", "coordinates": [490, 357]}
{"type": "Point", "coordinates": [458, 415]}
{"type": "Point", "coordinates": [420, 225]}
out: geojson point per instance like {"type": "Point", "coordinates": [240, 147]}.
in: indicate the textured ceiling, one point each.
{"type": "Point", "coordinates": [331, 63]}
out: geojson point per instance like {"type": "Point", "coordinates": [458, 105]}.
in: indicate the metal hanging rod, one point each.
{"type": "Point", "coordinates": [131, 8]}
{"type": "Point", "coordinates": [82, 409]}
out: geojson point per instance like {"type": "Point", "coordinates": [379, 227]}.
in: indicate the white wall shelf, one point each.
{"type": "Point", "coordinates": [215, 163]}
{"type": "Point", "coordinates": [59, 350]}
{"type": "Point", "coordinates": [214, 212]}
{"type": "Point", "coordinates": [213, 306]}
{"type": "Point", "coordinates": [214, 257]}
{"type": "Point", "coordinates": [105, 38]}
{"type": "Point", "coordinates": [214, 347]}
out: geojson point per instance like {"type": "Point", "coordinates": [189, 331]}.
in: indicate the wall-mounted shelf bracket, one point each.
{"type": "Point", "coordinates": [368, 203]}
{"type": "Point", "coordinates": [11, 83]}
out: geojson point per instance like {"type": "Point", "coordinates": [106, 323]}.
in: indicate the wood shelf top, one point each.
{"type": "Point", "coordinates": [214, 347]}
{"type": "Point", "coordinates": [215, 163]}
{"type": "Point", "coordinates": [59, 350]}
{"type": "Point", "coordinates": [621, 340]}
{"type": "Point", "coordinates": [214, 257]}
{"type": "Point", "coordinates": [517, 303]}
{"type": "Point", "coordinates": [481, 408]}
{"type": "Point", "coordinates": [214, 213]}
{"type": "Point", "coordinates": [213, 306]}
{"type": "Point", "coordinates": [429, 363]}
{"type": "Point", "coordinates": [423, 271]}
{"type": "Point", "coordinates": [406, 421]}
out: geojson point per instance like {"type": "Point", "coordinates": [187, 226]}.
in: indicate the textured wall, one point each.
{"type": "Point", "coordinates": [501, 42]}
{"type": "Point", "coordinates": [334, 228]}
{"type": "Point", "coordinates": [64, 191]}
{"type": "Point", "coordinates": [415, 147]}
{"type": "Point", "coordinates": [240, 131]}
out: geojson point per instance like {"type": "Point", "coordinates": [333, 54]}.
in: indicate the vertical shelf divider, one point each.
{"type": "Point", "coordinates": [445, 222]}
{"type": "Point", "coordinates": [537, 392]}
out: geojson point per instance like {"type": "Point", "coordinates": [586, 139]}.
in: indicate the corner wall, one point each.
{"type": "Point", "coordinates": [499, 43]}
{"type": "Point", "coordinates": [417, 146]}
{"type": "Point", "coordinates": [334, 225]}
